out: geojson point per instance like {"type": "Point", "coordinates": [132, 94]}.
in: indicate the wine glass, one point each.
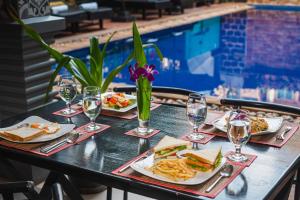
{"type": "Point", "coordinates": [67, 91]}
{"type": "Point", "coordinates": [92, 105]}
{"type": "Point", "coordinates": [238, 131]}
{"type": "Point", "coordinates": [196, 111]}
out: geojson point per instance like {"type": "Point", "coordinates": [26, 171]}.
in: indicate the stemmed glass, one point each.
{"type": "Point", "coordinates": [67, 91]}
{"type": "Point", "coordinates": [196, 111]}
{"type": "Point", "coordinates": [92, 105]}
{"type": "Point", "coordinates": [238, 131]}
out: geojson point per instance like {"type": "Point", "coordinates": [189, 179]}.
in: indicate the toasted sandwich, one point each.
{"type": "Point", "coordinates": [22, 134]}
{"type": "Point", "coordinates": [168, 146]}
{"type": "Point", "coordinates": [204, 160]}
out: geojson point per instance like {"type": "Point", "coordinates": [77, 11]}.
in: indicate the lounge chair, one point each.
{"type": "Point", "coordinates": [144, 5]}
{"type": "Point", "coordinates": [86, 11]}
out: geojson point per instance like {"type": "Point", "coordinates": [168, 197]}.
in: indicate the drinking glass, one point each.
{"type": "Point", "coordinates": [92, 105]}
{"type": "Point", "coordinates": [238, 131]}
{"type": "Point", "coordinates": [196, 111]}
{"type": "Point", "coordinates": [67, 91]}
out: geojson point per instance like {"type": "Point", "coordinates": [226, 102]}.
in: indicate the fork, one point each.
{"type": "Point", "coordinates": [141, 158]}
{"type": "Point", "coordinates": [282, 135]}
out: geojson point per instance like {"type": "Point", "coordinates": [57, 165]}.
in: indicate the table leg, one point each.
{"type": "Point", "coordinates": [297, 186]}
{"type": "Point", "coordinates": [125, 195]}
{"type": "Point", "coordinates": [144, 13]}
{"type": "Point", "coordinates": [159, 13]}
{"type": "Point", "coordinates": [67, 186]}
{"type": "Point", "coordinates": [101, 24]}
{"type": "Point", "coordinates": [109, 193]}
{"type": "Point", "coordinates": [57, 192]}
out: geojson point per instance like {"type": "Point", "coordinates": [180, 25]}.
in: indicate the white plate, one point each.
{"type": "Point", "coordinates": [274, 124]}
{"type": "Point", "coordinates": [122, 110]}
{"type": "Point", "coordinates": [106, 107]}
{"type": "Point", "coordinates": [64, 128]}
{"type": "Point", "coordinates": [198, 179]}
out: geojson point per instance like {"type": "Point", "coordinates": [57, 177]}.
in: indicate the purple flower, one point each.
{"type": "Point", "coordinates": [146, 71]}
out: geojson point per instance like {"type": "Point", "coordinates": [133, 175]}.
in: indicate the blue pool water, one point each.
{"type": "Point", "coordinates": [251, 55]}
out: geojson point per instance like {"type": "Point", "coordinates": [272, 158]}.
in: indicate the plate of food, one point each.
{"type": "Point", "coordinates": [118, 102]}
{"type": "Point", "coordinates": [173, 161]}
{"type": "Point", "coordinates": [35, 129]}
{"type": "Point", "coordinates": [259, 125]}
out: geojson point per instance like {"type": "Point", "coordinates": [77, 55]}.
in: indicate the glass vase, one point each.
{"type": "Point", "coordinates": [143, 93]}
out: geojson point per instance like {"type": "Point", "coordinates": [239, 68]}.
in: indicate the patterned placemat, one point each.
{"type": "Point", "coordinates": [134, 133]}
{"type": "Point", "coordinates": [247, 163]}
{"type": "Point", "coordinates": [36, 147]}
{"type": "Point", "coordinates": [75, 107]}
{"type": "Point", "coordinates": [205, 140]}
{"type": "Point", "coordinates": [268, 139]}
{"type": "Point", "coordinates": [131, 114]}
{"type": "Point", "coordinates": [194, 189]}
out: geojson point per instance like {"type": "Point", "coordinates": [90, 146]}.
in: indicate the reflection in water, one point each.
{"type": "Point", "coordinates": [238, 187]}
{"type": "Point", "coordinates": [230, 56]}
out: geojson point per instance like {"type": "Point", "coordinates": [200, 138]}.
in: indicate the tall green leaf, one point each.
{"type": "Point", "coordinates": [114, 72]}
{"type": "Point", "coordinates": [84, 72]}
{"type": "Point", "coordinates": [138, 51]}
{"type": "Point", "coordinates": [158, 52]}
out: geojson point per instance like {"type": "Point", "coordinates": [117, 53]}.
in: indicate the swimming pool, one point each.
{"type": "Point", "coordinates": [253, 54]}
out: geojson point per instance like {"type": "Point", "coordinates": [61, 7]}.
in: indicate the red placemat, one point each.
{"type": "Point", "coordinates": [35, 147]}
{"type": "Point", "coordinates": [268, 139]}
{"type": "Point", "coordinates": [247, 163]}
{"type": "Point", "coordinates": [131, 114]}
{"type": "Point", "coordinates": [133, 133]}
{"type": "Point", "coordinates": [194, 189]}
{"type": "Point", "coordinates": [75, 107]}
{"type": "Point", "coordinates": [205, 140]}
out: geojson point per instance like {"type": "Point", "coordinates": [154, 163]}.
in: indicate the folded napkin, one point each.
{"type": "Point", "coordinates": [89, 6]}
{"type": "Point", "coordinates": [58, 9]}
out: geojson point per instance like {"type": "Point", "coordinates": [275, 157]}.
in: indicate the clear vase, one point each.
{"type": "Point", "coordinates": [143, 93]}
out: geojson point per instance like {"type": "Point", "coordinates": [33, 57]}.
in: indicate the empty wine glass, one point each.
{"type": "Point", "coordinates": [67, 91]}
{"type": "Point", "coordinates": [196, 111]}
{"type": "Point", "coordinates": [238, 131]}
{"type": "Point", "coordinates": [92, 105]}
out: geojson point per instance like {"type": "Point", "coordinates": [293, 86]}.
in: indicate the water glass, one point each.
{"type": "Point", "coordinates": [67, 91]}
{"type": "Point", "coordinates": [238, 131]}
{"type": "Point", "coordinates": [196, 111]}
{"type": "Point", "coordinates": [92, 105]}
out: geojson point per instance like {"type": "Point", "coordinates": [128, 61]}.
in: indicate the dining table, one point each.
{"type": "Point", "coordinates": [96, 157]}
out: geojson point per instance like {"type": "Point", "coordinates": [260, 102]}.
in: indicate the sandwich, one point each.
{"type": "Point", "coordinates": [47, 128]}
{"type": "Point", "coordinates": [22, 134]}
{"type": "Point", "coordinates": [169, 146]}
{"type": "Point", "coordinates": [204, 160]}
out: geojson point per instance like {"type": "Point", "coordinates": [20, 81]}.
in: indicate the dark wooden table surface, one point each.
{"type": "Point", "coordinates": [95, 158]}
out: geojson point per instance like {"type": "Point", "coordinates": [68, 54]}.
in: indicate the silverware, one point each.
{"type": "Point", "coordinates": [141, 158]}
{"type": "Point", "coordinates": [282, 135]}
{"type": "Point", "coordinates": [70, 139]}
{"type": "Point", "coordinates": [225, 172]}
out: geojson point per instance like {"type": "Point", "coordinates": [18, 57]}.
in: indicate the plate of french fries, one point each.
{"type": "Point", "coordinates": [173, 170]}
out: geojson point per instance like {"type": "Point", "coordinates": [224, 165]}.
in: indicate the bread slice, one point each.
{"type": "Point", "coordinates": [208, 156]}
{"type": "Point", "coordinates": [22, 134]}
{"type": "Point", "coordinates": [170, 142]}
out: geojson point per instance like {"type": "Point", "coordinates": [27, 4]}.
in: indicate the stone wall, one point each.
{"type": "Point", "coordinates": [275, 2]}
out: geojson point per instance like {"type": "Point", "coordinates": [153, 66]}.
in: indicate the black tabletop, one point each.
{"type": "Point", "coordinates": [95, 158]}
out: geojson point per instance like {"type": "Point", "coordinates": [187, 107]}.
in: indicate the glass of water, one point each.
{"type": "Point", "coordinates": [92, 105]}
{"type": "Point", "coordinates": [238, 131]}
{"type": "Point", "coordinates": [196, 111]}
{"type": "Point", "coordinates": [67, 91]}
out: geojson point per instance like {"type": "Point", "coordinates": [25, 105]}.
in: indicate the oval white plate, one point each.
{"type": "Point", "coordinates": [64, 129]}
{"type": "Point", "coordinates": [198, 179]}
{"type": "Point", "coordinates": [274, 124]}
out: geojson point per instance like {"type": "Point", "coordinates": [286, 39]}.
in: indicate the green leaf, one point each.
{"type": "Point", "coordinates": [114, 72]}
{"type": "Point", "coordinates": [93, 69]}
{"type": "Point", "coordinates": [138, 51]}
{"type": "Point", "coordinates": [83, 72]}
{"type": "Point", "coordinates": [158, 52]}
{"type": "Point", "coordinates": [64, 61]}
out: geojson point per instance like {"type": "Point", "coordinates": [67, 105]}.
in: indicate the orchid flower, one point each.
{"type": "Point", "coordinates": [147, 71]}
